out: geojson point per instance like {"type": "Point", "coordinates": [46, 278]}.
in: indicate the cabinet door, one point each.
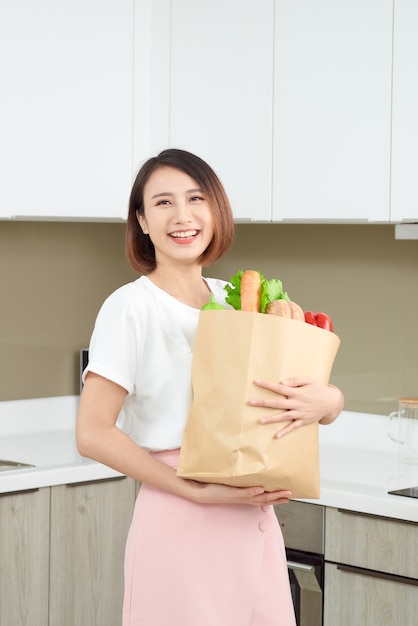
{"type": "Point", "coordinates": [404, 201]}
{"type": "Point", "coordinates": [24, 558]}
{"type": "Point", "coordinates": [220, 91]}
{"type": "Point", "coordinates": [359, 597]}
{"type": "Point", "coordinates": [332, 107]}
{"type": "Point", "coordinates": [372, 542]}
{"type": "Point", "coordinates": [90, 523]}
{"type": "Point", "coordinates": [66, 108]}
{"type": "Point", "coordinates": [151, 79]}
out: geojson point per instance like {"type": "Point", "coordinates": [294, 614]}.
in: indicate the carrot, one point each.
{"type": "Point", "coordinates": [250, 291]}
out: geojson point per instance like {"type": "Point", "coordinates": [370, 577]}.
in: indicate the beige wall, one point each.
{"type": "Point", "coordinates": [54, 276]}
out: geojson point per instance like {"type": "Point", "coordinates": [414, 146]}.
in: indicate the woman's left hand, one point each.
{"type": "Point", "coordinates": [302, 401]}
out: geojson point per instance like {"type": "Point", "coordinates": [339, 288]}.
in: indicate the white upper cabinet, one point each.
{"type": "Point", "coordinates": [404, 200]}
{"type": "Point", "coordinates": [66, 108]}
{"type": "Point", "coordinates": [332, 110]}
{"type": "Point", "coordinates": [290, 102]}
{"type": "Point", "coordinates": [151, 79]}
{"type": "Point", "coordinates": [218, 89]}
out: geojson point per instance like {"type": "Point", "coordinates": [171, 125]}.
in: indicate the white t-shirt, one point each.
{"type": "Point", "coordinates": [143, 340]}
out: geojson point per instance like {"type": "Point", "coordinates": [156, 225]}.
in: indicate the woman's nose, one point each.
{"type": "Point", "coordinates": [183, 213]}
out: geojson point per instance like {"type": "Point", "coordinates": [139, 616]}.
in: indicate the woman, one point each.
{"type": "Point", "coordinates": [196, 554]}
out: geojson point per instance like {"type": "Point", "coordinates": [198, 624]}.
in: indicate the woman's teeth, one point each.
{"type": "Point", "coordinates": [184, 234]}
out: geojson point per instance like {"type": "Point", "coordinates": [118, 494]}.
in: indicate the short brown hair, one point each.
{"type": "Point", "coordinates": [139, 247]}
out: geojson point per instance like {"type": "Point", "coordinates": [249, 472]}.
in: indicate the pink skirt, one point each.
{"type": "Point", "coordinates": [189, 564]}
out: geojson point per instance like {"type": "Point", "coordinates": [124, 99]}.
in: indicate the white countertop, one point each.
{"type": "Point", "coordinates": [359, 466]}
{"type": "Point", "coordinates": [41, 432]}
{"type": "Point", "coordinates": [358, 460]}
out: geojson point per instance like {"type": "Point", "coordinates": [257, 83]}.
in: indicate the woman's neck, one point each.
{"type": "Point", "coordinates": [188, 287]}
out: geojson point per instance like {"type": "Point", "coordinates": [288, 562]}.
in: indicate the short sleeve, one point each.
{"type": "Point", "coordinates": [116, 338]}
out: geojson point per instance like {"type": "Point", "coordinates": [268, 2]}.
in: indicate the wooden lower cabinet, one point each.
{"type": "Point", "coordinates": [371, 570]}
{"type": "Point", "coordinates": [24, 558]}
{"type": "Point", "coordinates": [90, 523]}
{"type": "Point", "coordinates": [356, 597]}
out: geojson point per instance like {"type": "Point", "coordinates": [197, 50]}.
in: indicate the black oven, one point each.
{"type": "Point", "coordinates": [84, 359]}
{"type": "Point", "coordinates": [303, 527]}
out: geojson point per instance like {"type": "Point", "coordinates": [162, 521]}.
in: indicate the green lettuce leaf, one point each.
{"type": "Point", "coordinates": [270, 290]}
{"type": "Point", "coordinates": [233, 290]}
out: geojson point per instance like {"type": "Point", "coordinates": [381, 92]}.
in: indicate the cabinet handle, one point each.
{"type": "Point", "coordinates": [379, 517]}
{"type": "Point", "coordinates": [96, 481]}
{"type": "Point", "coordinates": [351, 569]}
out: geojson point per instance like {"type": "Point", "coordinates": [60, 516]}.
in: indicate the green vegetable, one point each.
{"type": "Point", "coordinates": [234, 291]}
{"type": "Point", "coordinates": [212, 305]}
{"type": "Point", "coordinates": [270, 290]}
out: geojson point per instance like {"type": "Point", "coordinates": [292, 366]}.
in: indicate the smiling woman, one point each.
{"type": "Point", "coordinates": [178, 217]}
{"type": "Point", "coordinates": [201, 185]}
{"type": "Point", "coordinates": [134, 406]}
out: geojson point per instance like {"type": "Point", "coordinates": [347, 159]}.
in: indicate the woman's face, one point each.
{"type": "Point", "coordinates": [177, 216]}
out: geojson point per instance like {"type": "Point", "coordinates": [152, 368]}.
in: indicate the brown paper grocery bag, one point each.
{"type": "Point", "coordinates": [224, 441]}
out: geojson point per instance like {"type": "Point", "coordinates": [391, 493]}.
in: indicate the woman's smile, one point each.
{"type": "Point", "coordinates": [184, 236]}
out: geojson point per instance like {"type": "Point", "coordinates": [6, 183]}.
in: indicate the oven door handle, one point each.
{"type": "Point", "coordinates": [300, 567]}
{"type": "Point", "coordinates": [310, 593]}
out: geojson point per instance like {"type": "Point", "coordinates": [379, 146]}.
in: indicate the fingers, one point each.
{"type": "Point", "coordinates": [261, 495]}
{"type": "Point", "coordinates": [213, 494]}
{"type": "Point", "coordinates": [282, 393]}
{"type": "Point", "coordinates": [299, 401]}
{"type": "Point", "coordinates": [294, 424]}
{"type": "Point", "coordinates": [279, 401]}
{"type": "Point", "coordinates": [277, 496]}
{"type": "Point", "coordinates": [278, 387]}
{"type": "Point", "coordinates": [271, 497]}
{"type": "Point", "coordinates": [296, 381]}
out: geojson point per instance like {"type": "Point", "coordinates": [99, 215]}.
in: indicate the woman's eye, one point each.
{"type": "Point", "coordinates": [196, 198]}
{"type": "Point", "coordinates": [163, 202]}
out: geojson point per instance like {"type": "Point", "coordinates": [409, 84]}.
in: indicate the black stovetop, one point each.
{"type": "Point", "coordinates": [409, 492]}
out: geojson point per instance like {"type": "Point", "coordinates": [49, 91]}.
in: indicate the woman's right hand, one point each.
{"type": "Point", "coordinates": [210, 493]}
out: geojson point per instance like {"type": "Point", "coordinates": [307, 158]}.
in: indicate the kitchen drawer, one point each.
{"type": "Point", "coordinates": [362, 598]}
{"type": "Point", "coordinates": [371, 542]}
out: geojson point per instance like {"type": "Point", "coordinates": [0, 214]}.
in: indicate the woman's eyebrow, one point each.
{"type": "Point", "coordinates": [169, 193]}
{"type": "Point", "coordinates": [163, 193]}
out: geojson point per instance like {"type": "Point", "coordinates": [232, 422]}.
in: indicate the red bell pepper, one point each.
{"type": "Point", "coordinates": [319, 319]}
{"type": "Point", "coordinates": [310, 318]}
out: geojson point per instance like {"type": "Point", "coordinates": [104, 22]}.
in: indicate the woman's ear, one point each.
{"type": "Point", "coordinates": [142, 222]}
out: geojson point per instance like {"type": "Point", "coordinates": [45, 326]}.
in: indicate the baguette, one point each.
{"type": "Point", "coordinates": [284, 308]}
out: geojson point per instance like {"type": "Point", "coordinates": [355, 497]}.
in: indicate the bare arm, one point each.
{"type": "Point", "coordinates": [99, 438]}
